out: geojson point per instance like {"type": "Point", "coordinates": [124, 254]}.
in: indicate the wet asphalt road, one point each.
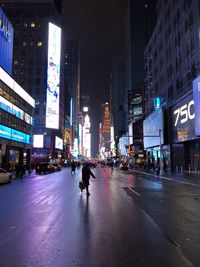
{"type": "Point", "coordinates": [128, 220]}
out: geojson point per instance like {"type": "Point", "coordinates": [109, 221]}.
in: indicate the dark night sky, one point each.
{"type": "Point", "coordinates": [99, 27]}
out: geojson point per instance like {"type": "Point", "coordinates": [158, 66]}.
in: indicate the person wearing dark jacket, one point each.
{"type": "Point", "coordinates": [86, 172]}
{"type": "Point", "coordinates": [73, 167]}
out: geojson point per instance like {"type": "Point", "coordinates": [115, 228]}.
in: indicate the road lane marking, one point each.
{"type": "Point", "coordinates": [134, 191]}
{"type": "Point", "coordinates": [171, 179]}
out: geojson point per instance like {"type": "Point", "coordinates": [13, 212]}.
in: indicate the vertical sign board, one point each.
{"type": "Point", "coordinates": [53, 77]}
{"type": "Point", "coordinates": [183, 116]}
{"type": "Point", "coordinates": [153, 129]}
{"type": "Point", "coordinates": [196, 96]}
{"type": "Point", "coordinates": [6, 42]}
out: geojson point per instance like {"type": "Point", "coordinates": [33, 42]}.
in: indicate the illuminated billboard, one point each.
{"type": "Point", "coordinates": [183, 120]}
{"type": "Point", "coordinates": [6, 42]}
{"type": "Point", "coordinates": [11, 134]}
{"type": "Point", "coordinates": [14, 110]}
{"type": "Point", "coordinates": [53, 77]}
{"type": "Point", "coordinates": [8, 80]}
{"type": "Point", "coordinates": [38, 140]}
{"type": "Point", "coordinates": [58, 143]}
{"type": "Point", "coordinates": [153, 129]}
{"type": "Point", "coordinates": [196, 95]}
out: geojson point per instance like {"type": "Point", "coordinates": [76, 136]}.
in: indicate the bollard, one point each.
{"type": "Point", "coordinates": [189, 168]}
{"type": "Point", "coordinates": [176, 168]}
{"type": "Point", "coordinates": [195, 169]}
{"type": "Point", "coordinates": [181, 168]}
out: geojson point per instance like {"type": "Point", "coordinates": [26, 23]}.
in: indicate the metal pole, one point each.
{"type": "Point", "coordinates": [161, 154]}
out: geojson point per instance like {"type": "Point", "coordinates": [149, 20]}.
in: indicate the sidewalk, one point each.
{"type": "Point", "coordinates": [191, 178]}
{"type": "Point", "coordinates": [26, 175]}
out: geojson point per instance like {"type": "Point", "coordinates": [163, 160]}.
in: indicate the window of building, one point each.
{"type": "Point", "coordinates": [30, 71]}
{"type": "Point", "coordinates": [199, 7]}
{"type": "Point", "coordinates": [190, 20]}
{"type": "Point", "coordinates": [16, 62]}
{"type": "Point", "coordinates": [186, 25]}
{"type": "Point", "coordinates": [192, 44]}
{"type": "Point", "coordinates": [186, 4]}
{"type": "Point", "coordinates": [24, 33]}
{"type": "Point", "coordinates": [39, 43]}
{"type": "Point", "coordinates": [189, 77]}
{"type": "Point", "coordinates": [32, 24]}
{"type": "Point", "coordinates": [38, 81]}
{"type": "Point", "coordinates": [170, 91]}
{"type": "Point", "coordinates": [38, 71]}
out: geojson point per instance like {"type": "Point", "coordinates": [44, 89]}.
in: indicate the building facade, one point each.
{"type": "Point", "coordinates": [34, 22]}
{"type": "Point", "coordinates": [128, 70]}
{"type": "Point", "coordinates": [172, 64]}
{"type": "Point", "coordinates": [105, 129]}
{"type": "Point", "coordinates": [6, 43]}
{"type": "Point", "coordinates": [16, 123]}
{"type": "Point", "coordinates": [16, 107]}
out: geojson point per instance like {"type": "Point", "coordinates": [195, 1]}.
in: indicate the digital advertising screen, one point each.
{"type": "Point", "coordinates": [53, 77]}
{"type": "Point", "coordinates": [11, 134]}
{"type": "Point", "coordinates": [183, 120]}
{"type": "Point", "coordinates": [12, 84]}
{"type": "Point", "coordinates": [6, 42]}
{"type": "Point", "coordinates": [38, 140]}
{"type": "Point", "coordinates": [196, 96]}
{"type": "Point", "coordinates": [58, 143]}
{"type": "Point", "coordinates": [153, 129]}
{"type": "Point", "coordinates": [123, 143]}
{"type": "Point", "coordinates": [14, 110]}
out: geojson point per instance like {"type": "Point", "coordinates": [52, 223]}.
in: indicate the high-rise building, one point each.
{"type": "Point", "coordinates": [128, 69]}
{"type": "Point", "coordinates": [118, 83]}
{"type": "Point", "coordinates": [171, 64]}
{"type": "Point", "coordinates": [16, 107]}
{"type": "Point", "coordinates": [105, 126]}
{"type": "Point", "coordinates": [138, 32]}
{"type": "Point", "coordinates": [37, 66]}
{"type": "Point", "coordinates": [72, 62]}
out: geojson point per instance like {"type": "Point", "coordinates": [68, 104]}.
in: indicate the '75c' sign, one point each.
{"type": "Point", "coordinates": [184, 113]}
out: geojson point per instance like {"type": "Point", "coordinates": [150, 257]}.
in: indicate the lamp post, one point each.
{"type": "Point", "coordinates": [161, 154]}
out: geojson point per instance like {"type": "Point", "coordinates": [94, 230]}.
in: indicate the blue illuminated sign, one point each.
{"type": "Point", "coordinates": [6, 42]}
{"type": "Point", "coordinates": [196, 95]}
{"type": "Point", "coordinates": [11, 134]}
{"type": "Point", "coordinates": [157, 102]}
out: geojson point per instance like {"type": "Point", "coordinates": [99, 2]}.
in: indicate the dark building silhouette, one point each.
{"type": "Point", "coordinates": [128, 69]}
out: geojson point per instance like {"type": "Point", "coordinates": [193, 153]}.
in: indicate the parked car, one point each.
{"type": "Point", "coordinates": [5, 177]}
{"type": "Point", "coordinates": [44, 167]}
{"type": "Point", "coordinates": [57, 167]}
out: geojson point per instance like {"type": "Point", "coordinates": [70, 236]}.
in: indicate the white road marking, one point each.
{"type": "Point", "coordinates": [134, 191]}
{"type": "Point", "coordinates": [168, 178]}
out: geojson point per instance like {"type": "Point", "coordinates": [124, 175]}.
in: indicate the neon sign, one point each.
{"type": "Point", "coordinates": [11, 134]}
